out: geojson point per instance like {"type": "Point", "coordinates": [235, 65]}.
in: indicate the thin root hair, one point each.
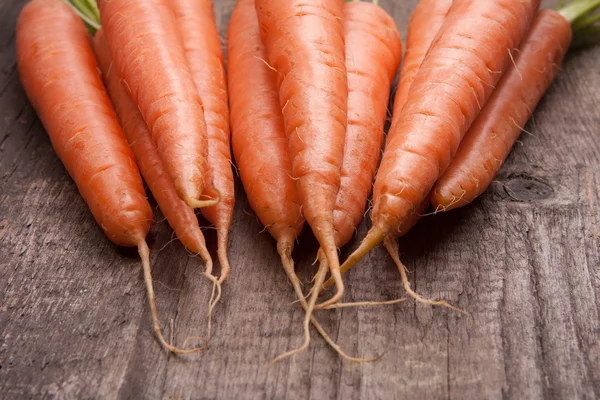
{"type": "Point", "coordinates": [392, 247]}
{"type": "Point", "coordinates": [144, 253]}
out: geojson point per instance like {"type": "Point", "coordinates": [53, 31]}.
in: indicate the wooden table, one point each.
{"type": "Point", "coordinates": [523, 261]}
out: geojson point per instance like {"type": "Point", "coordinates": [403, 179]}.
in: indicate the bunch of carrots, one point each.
{"type": "Point", "coordinates": [303, 102]}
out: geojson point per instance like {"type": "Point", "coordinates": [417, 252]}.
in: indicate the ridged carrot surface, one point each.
{"type": "Point", "coordinates": [260, 146]}
{"type": "Point", "coordinates": [202, 44]}
{"type": "Point", "coordinates": [148, 54]}
{"type": "Point", "coordinates": [425, 22]}
{"type": "Point", "coordinates": [60, 76]}
{"type": "Point", "coordinates": [455, 80]}
{"type": "Point", "coordinates": [304, 41]}
{"type": "Point", "coordinates": [179, 215]}
{"type": "Point", "coordinates": [370, 34]}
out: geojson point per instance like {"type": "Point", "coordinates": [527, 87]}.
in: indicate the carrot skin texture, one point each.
{"type": "Point", "coordinates": [370, 34]}
{"type": "Point", "coordinates": [491, 137]}
{"type": "Point", "coordinates": [60, 76]}
{"type": "Point", "coordinates": [202, 45]}
{"type": "Point", "coordinates": [444, 99]}
{"type": "Point", "coordinates": [425, 23]}
{"type": "Point", "coordinates": [148, 54]}
{"type": "Point", "coordinates": [179, 215]}
{"type": "Point", "coordinates": [305, 45]}
{"type": "Point", "coordinates": [258, 135]}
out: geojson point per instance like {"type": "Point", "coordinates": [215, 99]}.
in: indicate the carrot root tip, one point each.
{"type": "Point", "coordinates": [144, 253]}
{"type": "Point", "coordinates": [392, 247]}
{"type": "Point", "coordinates": [372, 240]}
{"type": "Point", "coordinates": [365, 304]}
{"type": "Point", "coordinates": [284, 248]}
{"type": "Point", "coordinates": [215, 296]}
{"type": "Point", "coordinates": [197, 203]}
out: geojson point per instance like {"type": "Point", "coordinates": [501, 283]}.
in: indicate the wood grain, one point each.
{"type": "Point", "coordinates": [523, 260]}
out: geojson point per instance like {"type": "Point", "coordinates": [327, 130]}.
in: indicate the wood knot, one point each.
{"type": "Point", "coordinates": [525, 188]}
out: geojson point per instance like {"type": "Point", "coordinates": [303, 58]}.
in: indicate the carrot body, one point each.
{"type": "Point", "coordinates": [370, 34]}
{"type": "Point", "coordinates": [491, 137]}
{"type": "Point", "coordinates": [179, 215]}
{"type": "Point", "coordinates": [304, 40]}
{"type": "Point", "coordinates": [148, 55]}
{"type": "Point", "coordinates": [60, 76]}
{"type": "Point", "coordinates": [259, 142]}
{"type": "Point", "coordinates": [202, 44]}
{"type": "Point", "coordinates": [455, 80]}
{"type": "Point", "coordinates": [258, 134]}
{"type": "Point", "coordinates": [425, 22]}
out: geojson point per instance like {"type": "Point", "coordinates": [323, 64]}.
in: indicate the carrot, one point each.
{"type": "Point", "coordinates": [203, 50]}
{"type": "Point", "coordinates": [260, 145]}
{"type": "Point", "coordinates": [202, 45]}
{"type": "Point", "coordinates": [60, 76]}
{"type": "Point", "coordinates": [454, 81]}
{"type": "Point", "coordinates": [425, 22]}
{"type": "Point", "coordinates": [304, 40]}
{"type": "Point", "coordinates": [180, 216]}
{"type": "Point", "coordinates": [148, 54]}
{"type": "Point", "coordinates": [491, 137]}
{"type": "Point", "coordinates": [370, 34]}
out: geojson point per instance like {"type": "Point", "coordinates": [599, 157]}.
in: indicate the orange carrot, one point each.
{"type": "Point", "coordinates": [258, 136]}
{"type": "Point", "coordinates": [180, 216]}
{"type": "Point", "coordinates": [453, 83]}
{"type": "Point", "coordinates": [370, 34]}
{"type": "Point", "coordinates": [60, 76]}
{"type": "Point", "coordinates": [425, 22]}
{"type": "Point", "coordinates": [202, 45]}
{"type": "Point", "coordinates": [260, 145]}
{"type": "Point", "coordinates": [491, 137]}
{"type": "Point", "coordinates": [148, 54]}
{"type": "Point", "coordinates": [304, 40]}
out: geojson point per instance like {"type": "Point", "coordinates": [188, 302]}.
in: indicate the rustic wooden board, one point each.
{"type": "Point", "coordinates": [523, 260]}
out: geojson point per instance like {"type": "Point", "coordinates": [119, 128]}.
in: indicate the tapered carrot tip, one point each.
{"type": "Point", "coordinates": [372, 240]}
{"type": "Point", "coordinates": [319, 283]}
{"type": "Point", "coordinates": [443, 202]}
{"type": "Point", "coordinates": [144, 253]}
{"type": "Point", "coordinates": [392, 247]}
{"type": "Point", "coordinates": [212, 302]}
{"type": "Point", "coordinates": [325, 235]}
{"type": "Point", "coordinates": [224, 260]}
{"type": "Point", "coordinates": [196, 203]}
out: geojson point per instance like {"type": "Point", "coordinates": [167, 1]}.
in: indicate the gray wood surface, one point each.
{"type": "Point", "coordinates": [523, 260]}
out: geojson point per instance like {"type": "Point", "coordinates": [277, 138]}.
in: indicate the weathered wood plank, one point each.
{"type": "Point", "coordinates": [523, 261]}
